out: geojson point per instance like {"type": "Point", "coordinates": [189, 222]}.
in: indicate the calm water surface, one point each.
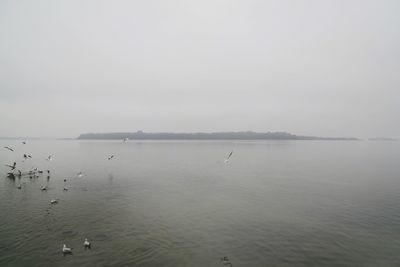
{"type": "Point", "coordinates": [175, 203]}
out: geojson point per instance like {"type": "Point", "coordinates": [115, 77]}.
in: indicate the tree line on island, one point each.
{"type": "Point", "coordinates": [246, 135]}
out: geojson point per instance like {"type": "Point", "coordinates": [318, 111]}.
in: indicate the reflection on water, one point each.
{"type": "Point", "coordinates": [175, 203]}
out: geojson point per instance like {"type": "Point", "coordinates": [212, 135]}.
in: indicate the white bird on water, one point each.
{"type": "Point", "coordinates": [53, 201]}
{"type": "Point", "coordinates": [66, 250]}
{"type": "Point", "coordinates": [19, 186]}
{"type": "Point", "coordinates": [229, 156]}
{"type": "Point", "coordinates": [226, 261]}
{"type": "Point", "coordinates": [86, 244]}
{"type": "Point", "coordinates": [80, 174]}
{"type": "Point", "coordinates": [43, 188]}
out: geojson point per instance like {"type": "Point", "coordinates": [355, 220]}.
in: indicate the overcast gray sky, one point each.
{"type": "Point", "coordinates": [326, 68]}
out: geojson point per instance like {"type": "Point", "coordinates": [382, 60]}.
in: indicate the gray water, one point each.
{"type": "Point", "coordinates": [176, 203]}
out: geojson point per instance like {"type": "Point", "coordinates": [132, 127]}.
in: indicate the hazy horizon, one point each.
{"type": "Point", "coordinates": [324, 138]}
{"type": "Point", "coordinates": [316, 68]}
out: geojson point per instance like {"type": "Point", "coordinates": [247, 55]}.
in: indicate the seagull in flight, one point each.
{"type": "Point", "coordinates": [12, 166]}
{"type": "Point", "coordinates": [27, 156]}
{"type": "Point", "coordinates": [229, 156]}
{"type": "Point", "coordinates": [49, 158]}
{"type": "Point", "coordinates": [110, 157]}
{"type": "Point", "coordinates": [9, 148]}
{"type": "Point", "coordinates": [23, 142]}
{"type": "Point", "coordinates": [126, 139]}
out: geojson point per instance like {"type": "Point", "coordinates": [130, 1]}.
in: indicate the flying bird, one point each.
{"type": "Point", "coordinates": [110, 157]}
{"type": "Point", "coordinates": [27, 156]}
{"type": "Point", "coordinates": [80, 174]}
{"type": "Point", "coordinates": [229, 156]}
{"type": "Point", "coordinates": [9, 148]}
{"type": "Point", "coordinates": [12, 166]}
{"type": "Point", "coordinates": [49, 158]}
{"type": "Point", "coordinates": [23, 142]}
{"type": "Point", "coordinates": [126, 139]}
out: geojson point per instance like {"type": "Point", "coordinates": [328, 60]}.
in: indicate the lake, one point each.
{"type": "Point", "coordinates": [176, 203]}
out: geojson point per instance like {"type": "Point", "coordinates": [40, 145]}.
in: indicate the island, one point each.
{"type": "Point", "coordinates": [246, 135]}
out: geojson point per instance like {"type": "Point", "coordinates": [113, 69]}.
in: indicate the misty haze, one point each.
{"type": "Point", "coordinates": [199, 133]}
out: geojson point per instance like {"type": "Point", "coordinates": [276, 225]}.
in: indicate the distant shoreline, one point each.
{"type": "Point", "coordinates": [140, 135]}
{"type": "Point", "coordinates": [199, 136]}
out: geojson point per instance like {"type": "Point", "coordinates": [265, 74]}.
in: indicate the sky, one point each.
{"type": "Point", "coordinates": [308, 67]}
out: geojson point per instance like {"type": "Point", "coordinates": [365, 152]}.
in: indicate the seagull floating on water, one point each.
{"type": "Point", "coordinates": [9, 148]}
{"type": "Point", "coordinates": [126, 139]}
{"type": "Point", "coordinates": [229, 156]}
{"type": "Point", "coordinates": [43, 188]}
{"type": "Point", "coordinates": [80, 174]}
{"type": "Point", "coordinates": [53, 201]}
{"type": "Point", "coordinates": [226, 261]}
{"type": "Point", "coordinates": [19, 186]}
{"type": "Point", "coordinates": [110, 157]}
{"type": "Point", "coordinates": [23, 142]}
{"type": "Point", "coordinates": [86, 244]}
{"type": "Point", "coordinates": [66, 250]}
